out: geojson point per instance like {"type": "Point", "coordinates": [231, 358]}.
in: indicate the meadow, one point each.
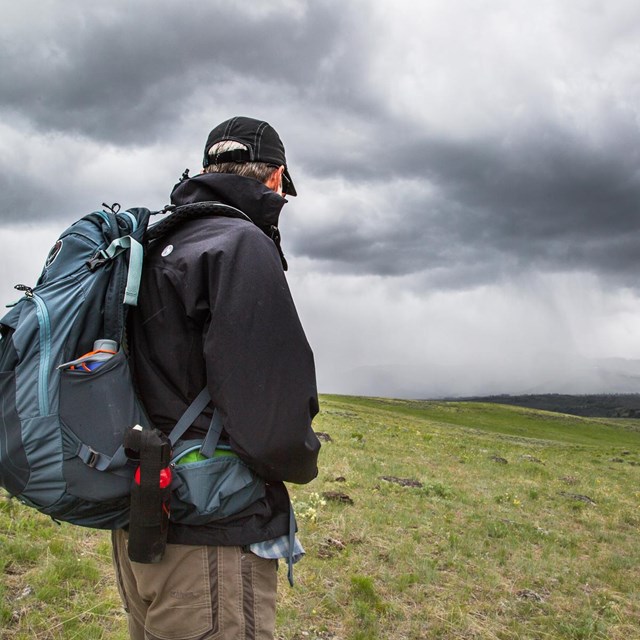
{"type": "Point", "coordinates": [443, 520]}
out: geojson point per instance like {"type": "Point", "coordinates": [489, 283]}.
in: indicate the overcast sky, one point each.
{"type": "Point", "coordinates": [468, 170]}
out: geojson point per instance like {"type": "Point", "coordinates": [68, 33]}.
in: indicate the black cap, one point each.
{"type": "Point", "coordinates": [261, 139]}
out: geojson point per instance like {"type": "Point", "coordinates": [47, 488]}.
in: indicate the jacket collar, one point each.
{"type": "Point", "coordinates": [252, 197]}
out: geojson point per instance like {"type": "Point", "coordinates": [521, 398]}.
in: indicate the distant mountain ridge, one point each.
{"type": "Point", "coordinates": [605, 405]}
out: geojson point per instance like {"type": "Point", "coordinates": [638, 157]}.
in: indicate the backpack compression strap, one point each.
{"type": "Point", "coordinates": [193, 411]}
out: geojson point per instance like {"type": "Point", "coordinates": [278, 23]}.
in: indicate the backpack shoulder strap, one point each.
{"type": "Point", "coordinates": [121, 232]}
{"type": "Point", "coordinates": [134, 269]}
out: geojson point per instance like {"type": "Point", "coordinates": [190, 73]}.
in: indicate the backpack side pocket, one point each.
{"type": "Point", "coordinates": [89, 420]}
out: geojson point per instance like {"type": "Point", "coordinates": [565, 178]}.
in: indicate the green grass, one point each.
{"type": "Point", "coordinates": [56, 580]}
{"type": "Point", "coordinates": [524, 525]}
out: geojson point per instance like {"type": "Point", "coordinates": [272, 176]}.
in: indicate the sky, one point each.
{"type": "Point", "coordinates": [468, 171]}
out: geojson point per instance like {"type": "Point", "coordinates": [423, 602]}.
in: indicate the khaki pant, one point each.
{"type": "Point", "coordinates": [197, 593]}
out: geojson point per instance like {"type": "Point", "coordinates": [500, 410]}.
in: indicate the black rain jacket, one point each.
{"type": "Point", "coordinates": [215, 309]}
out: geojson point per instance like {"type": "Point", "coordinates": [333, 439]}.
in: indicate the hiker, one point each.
{"type": "Point", "coordinates": [215, 310]}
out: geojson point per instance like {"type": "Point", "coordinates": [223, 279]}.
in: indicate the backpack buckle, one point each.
{"type": "Point", "coordinates": [92, 458]}
{"type": "Point", "coordinates": [97, 261]}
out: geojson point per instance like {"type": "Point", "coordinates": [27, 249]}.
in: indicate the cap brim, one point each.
{"type": "Point", "coordinates": [287, 184]}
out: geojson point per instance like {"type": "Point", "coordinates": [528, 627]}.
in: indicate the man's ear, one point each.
{"type": "Point", "coordinates": [274, 181]}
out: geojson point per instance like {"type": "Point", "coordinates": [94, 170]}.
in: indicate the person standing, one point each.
{"type": "Point", "coordinates": [215, 309]}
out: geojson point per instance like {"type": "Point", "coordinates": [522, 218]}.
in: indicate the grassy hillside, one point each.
{"type": "Point", "coordinates": [428, 520]}
{"type": "Point", "coordinates": [513, 421]}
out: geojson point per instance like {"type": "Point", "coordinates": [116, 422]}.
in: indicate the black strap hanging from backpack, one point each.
{"type": "Point", "coordinates": [149, 515]}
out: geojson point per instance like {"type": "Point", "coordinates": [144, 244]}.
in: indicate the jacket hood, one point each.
{"type": "Point", "coordinates": [251, 196]}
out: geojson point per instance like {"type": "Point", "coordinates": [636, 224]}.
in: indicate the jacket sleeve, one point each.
{"type": "Point", "coordinates": [260, 368]}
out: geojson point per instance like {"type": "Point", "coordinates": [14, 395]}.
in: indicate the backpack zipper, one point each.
{"type": "Point", "coordinates": [42, 313]}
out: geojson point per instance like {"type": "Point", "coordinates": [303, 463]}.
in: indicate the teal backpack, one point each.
{"type": "Point", "coordinates": [65, 405]}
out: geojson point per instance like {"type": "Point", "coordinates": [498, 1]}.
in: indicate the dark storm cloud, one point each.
{"type": "Point", "coordinates": [119, 73]}
{"type": "Point", "coordinates": [82, 82]}
{"type": "Point", "coordinates": [549, 202]}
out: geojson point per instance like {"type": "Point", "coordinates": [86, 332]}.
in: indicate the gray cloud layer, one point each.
{"type": "Point", "coordinates": [509, 145]}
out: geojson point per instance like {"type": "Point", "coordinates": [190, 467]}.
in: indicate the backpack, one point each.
{"type": "Point", "coordinates": [65, 402]}
{"type": "Point", "coordinates": [61, 425]}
